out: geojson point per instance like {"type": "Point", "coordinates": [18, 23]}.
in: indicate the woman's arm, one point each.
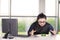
{"type": "Point", "coordinates": [53, 32]}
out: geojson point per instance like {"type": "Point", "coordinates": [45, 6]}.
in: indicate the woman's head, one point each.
{"type": "Point", "coordinates": [41, 19]}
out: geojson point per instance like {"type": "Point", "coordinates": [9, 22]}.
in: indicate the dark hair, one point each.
{"type": "Point", "coordinates": [41, 15]}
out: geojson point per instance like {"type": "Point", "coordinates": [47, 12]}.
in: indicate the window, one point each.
{"type": "Point", "coordinates": [26, 11]}
{"type": "Point", "coordinates": [4, 7]}
{"type": "Point", "coordinates": [25, 7]}
{"type": "Point", "coordinates": [59, 17]}
{"type": "Point", "coordinates": [50, 7]}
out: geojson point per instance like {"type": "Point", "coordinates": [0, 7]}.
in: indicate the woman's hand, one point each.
{"type": "Point", "coordinates": [32, 32]}
{"type": "Point", "coordinates": [54, 32]}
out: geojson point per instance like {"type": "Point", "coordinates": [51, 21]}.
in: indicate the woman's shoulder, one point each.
{"type": "Point", "coordinates": [34, 23]}
{"type": "Point", "coordinates": [49, 25]}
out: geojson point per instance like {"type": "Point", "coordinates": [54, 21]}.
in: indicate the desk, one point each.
{"type": "Point", "coordinates": [57, 37]}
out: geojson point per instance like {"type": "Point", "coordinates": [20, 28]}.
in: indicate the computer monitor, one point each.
{"type": "Point", "coordinates": [10, 26]}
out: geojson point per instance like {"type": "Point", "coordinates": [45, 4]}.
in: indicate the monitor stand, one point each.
{"type": "Point", "coordinates": [7, 35]}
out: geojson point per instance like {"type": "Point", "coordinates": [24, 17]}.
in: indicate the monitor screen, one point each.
{"type": "Point", "coordinates": [10, 25]}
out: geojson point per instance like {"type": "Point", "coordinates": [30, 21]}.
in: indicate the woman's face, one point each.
{"type": "Point", "coordinates": [42, 22]}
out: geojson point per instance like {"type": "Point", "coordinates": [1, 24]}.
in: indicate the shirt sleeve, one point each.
{"type": "Point", "coordinates": [30, 29]}
{"type": "Point", "coordinates": [51, 28]}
